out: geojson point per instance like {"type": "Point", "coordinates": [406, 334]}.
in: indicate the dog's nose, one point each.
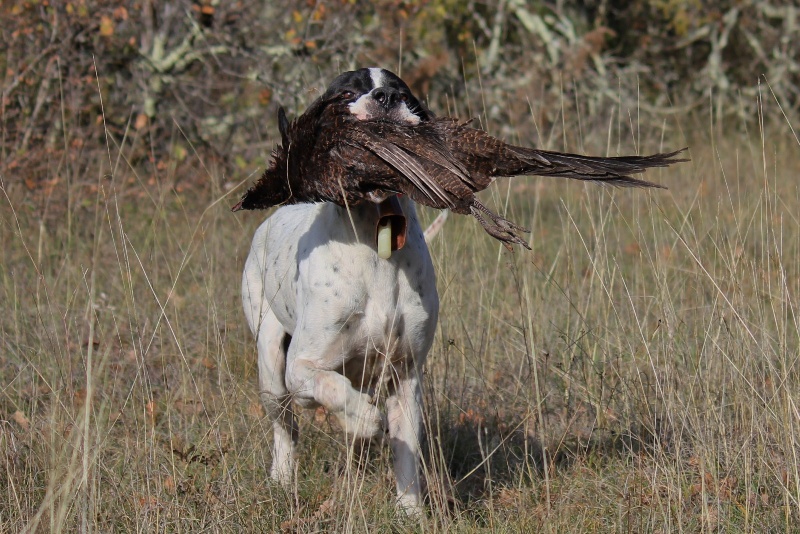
{"type": "Point", "coordinates": [386, 96]}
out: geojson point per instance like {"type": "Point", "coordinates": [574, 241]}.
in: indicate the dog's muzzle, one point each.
{"type": "Point", "coordinates": [386, 96]}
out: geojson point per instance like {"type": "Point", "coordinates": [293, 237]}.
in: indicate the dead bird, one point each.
{"type": "Point", "coordinates": [356, 144]}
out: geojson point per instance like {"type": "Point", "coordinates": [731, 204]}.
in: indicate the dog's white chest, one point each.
{"type": "Point", "coordinates": [324, 281]}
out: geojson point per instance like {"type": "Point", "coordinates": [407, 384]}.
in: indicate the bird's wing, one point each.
{"type": "Point", "coordinates": [425, 142]}
{"type": "Point", "coordinates": [408, 165]}
{"type": "Point", "coordinates": [421, 155]}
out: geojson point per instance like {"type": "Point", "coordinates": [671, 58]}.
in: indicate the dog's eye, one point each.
{"type": "Point", "coordinates": [346, 94]}
{"type": "Point", "coordinates": [403, 97]}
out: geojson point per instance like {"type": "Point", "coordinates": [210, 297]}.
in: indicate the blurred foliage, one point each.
{"type": "Point", "coordinates": [209, 75]}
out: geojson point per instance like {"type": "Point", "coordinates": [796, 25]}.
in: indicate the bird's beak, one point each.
{"type": "Point", "coordinates": [390, 233]}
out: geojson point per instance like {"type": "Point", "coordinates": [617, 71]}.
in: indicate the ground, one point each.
{"type": "Point", "coordinates": [637, 371]}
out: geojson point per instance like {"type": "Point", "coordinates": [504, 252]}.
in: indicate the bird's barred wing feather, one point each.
{"type": "Point", "coordinates": [421, 155]}
{"type": "Point", "coordinates": [408, 166]}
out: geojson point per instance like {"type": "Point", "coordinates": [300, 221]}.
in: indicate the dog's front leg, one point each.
{"type": "Point", "coordinates": [405, 431]}
{"type": "Point", "coordinates": [276, 399]}
{"type": "Point", "coordinates": [314, 376]}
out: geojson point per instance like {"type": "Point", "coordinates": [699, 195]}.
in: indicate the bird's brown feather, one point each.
{"type": "Point", "coordinates": [329, 155]}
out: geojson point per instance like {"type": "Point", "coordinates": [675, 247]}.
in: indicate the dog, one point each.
{"type": "Point", "coordinates": [336, 324]}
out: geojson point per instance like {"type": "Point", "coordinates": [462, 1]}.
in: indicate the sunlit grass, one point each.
{"type": "Point", "coordinates": [636, 371]}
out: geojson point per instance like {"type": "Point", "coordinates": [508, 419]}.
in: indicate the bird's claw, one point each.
{"type": "Point", "coordinates": [500, 228]}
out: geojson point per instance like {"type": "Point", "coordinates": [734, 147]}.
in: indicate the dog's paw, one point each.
{"type": "Point", "coordinates": [360, 418]}
{"type": "Point", "coordinates": [410, 506]}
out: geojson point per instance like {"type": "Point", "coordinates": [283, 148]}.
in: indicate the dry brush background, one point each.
{"type": "Point", "coordinates": [636, 372]}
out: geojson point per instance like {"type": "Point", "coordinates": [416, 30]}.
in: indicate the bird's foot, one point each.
{"type": "Point", "coordinates": [499, 228]}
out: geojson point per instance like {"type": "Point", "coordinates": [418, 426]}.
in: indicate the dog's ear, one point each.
{"type": "Point", "coordinates": [283, 126]}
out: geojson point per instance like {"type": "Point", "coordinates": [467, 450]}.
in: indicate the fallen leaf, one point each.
{"type": "Point", "coordinates": [147, 501]}
{"type": "Point", "coordinates": [151, 410]}
{"type": "Point", "coordinates": [325, 508]}
{"type": "Point", "coordinates": [106, 26]}
{"type": "Point", "coordinates": [265, 96]}
{"type": "Point", "coordinates": [319, 12]}
{"type": "Point", "coordinates": [320, 415]}
{"type": "Point", "coordinates": [140, 122]}
{"type": "Point", "coordinates": [297, 523]}
{"type": "Point", "coordinates": [256, 409]}
{"type": "Point", "coordinates": [79, 398]}
{"type": "Point", "coordinates": [189, 407]}
{"type": "Point", "coordinates": [508, 498]}
{"type": "Point", "coordinates": [21, 420]}
{"type": "Point", "coordinates": [633, 248]}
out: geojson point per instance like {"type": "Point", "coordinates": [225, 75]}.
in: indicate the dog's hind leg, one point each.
{"type": "Point", "coordinates": [273, 342]}
{"type": "Point", "coordinates": [405, 432]}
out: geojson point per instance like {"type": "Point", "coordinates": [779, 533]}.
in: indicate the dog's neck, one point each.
{"type": "Point", "coordinates": [361, 221]}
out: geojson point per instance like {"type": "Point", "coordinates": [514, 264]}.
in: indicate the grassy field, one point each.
{"type": "Point", "coordinates": [636, 372]}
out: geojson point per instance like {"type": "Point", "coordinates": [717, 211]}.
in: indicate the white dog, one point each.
{"type": "Point", "coordinates": [336, 321]}
{"type": "Point", "coordinates": [336, 324]}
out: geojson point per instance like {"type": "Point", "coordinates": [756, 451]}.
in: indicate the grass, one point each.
{"type": "Point", "coordinates": [636, 372]}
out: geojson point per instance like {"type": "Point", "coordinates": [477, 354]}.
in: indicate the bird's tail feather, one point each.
{"type": "Point", "coordinates": [612, 171]}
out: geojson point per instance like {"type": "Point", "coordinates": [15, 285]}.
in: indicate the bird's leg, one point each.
{"type": "Point", "coordinates": [499, 228]}
{"type": "Point", "coordinates": [505, 224]}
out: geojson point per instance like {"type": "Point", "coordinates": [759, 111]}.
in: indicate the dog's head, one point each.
{"type": "Point", "coordinates": [375, 93]}
{"type": "Point", "coordinates": [359, 95]}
